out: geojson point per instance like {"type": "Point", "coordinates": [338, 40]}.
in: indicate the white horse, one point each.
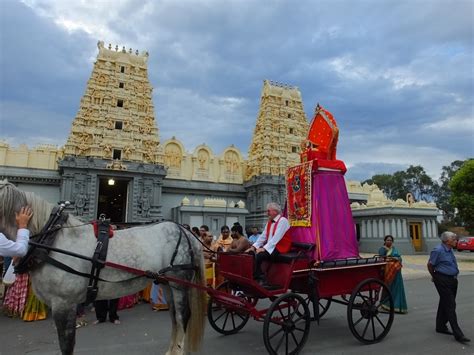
{"type": "Point", "coordinates": [148, 247]}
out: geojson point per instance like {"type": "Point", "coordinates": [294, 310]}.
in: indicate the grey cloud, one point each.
{"type": "Point", "coordinates": [363, 171]}
{"type": "Point", "coordinates": [203, 51]}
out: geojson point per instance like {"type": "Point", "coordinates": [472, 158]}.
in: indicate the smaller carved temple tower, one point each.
{"type": "Point", "coordinates": [112, 160]}
{"type": "Point", "coordinates": [281, 127]}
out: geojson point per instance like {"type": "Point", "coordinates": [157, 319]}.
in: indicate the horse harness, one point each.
{"type": "Point", "coordinates": [39, 252]}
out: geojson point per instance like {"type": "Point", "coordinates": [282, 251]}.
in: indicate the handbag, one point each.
{"type": "Point", "coordinates": [9, 277]}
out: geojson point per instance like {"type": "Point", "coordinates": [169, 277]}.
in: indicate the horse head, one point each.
{"type": "Point", "coordinates": [11, 200]}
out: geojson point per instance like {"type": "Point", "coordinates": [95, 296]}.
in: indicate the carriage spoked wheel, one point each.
{"type": "Point", "coordinates": [224, 320]}
{"type": "Point", "coordinates": [286, 325]}
{"type": "Point", "coordinates": [370, 311]}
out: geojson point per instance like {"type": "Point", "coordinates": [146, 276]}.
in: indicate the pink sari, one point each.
{"type": "Point", "coordinates": [128, 301]}
{"type": "Point", "coordinates": [15, 298]}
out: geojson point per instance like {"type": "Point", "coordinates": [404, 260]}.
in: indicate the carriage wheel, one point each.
{"type": "Point", "coordinates": [286, 325]}
{"type": "Point", "coordinates": [370, 311]}
{"type": "Point", "coordinates": [223, 320]}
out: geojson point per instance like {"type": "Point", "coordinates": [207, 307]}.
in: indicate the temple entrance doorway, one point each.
{"type": "Point", "coordinates": [415, 235]}
{"type": "Point", "coordinates": [112, 201]}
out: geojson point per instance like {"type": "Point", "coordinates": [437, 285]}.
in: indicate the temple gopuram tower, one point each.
{"type": "Point", "coordinates": [116, 114]}
{"type": "Point", "coordinates": [112, 159]}
{"type": "Point", "coordinates": [281, 127]}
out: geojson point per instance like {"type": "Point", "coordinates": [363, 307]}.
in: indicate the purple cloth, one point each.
{"type": "Point", "coordinates": [332, 227]}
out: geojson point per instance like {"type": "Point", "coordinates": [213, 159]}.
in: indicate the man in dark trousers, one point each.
{"type": "Point", "coordinates": [273, 241]}
{"type": "Point", "coordinates": [103, 307]}
{"type": "Point", "coordinates": [444, 271]}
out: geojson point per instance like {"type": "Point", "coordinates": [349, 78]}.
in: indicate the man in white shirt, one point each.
{"type": "Point", "coordinates": [20, 247]}
{"type": "Point", "coordinates": [273, 241]}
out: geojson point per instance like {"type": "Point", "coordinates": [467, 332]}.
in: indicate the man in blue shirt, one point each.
{"type": "Point", "coordinates": [444, 271]}
{"type": "Point", "coordinates": [254, 236]}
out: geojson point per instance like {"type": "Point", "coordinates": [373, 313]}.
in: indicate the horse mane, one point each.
{"type": "Point", "coordinates": [11, 200]}
{"type": "Point", "coordinates": [41, 212]}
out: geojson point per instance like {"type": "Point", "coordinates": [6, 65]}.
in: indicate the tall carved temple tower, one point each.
{"type": "Point", "coordinates": [112, 158]}
{"type": "Point", "coordinates": [116, 117]}
{"type": "Point", "coordinates": [281, 127]}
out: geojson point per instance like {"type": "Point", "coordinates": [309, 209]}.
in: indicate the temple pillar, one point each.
{"type": "Point", "coordinates": [429, 230]}
{"type": "Point", "coordinates": [381, 235]}
{"type": "Point", "coordinates": [404, 228]}
{"type": "Point", "coordinates": [386, 227]}
{"type": "Point", "coordinates": [435, 228]}
{"type": "Point", "coordinates": [399, 228]}
{"type": "Point", "coordinates": [363, 229]}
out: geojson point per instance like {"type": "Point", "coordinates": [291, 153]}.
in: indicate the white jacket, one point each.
{"type": "Point", "coordinates": [18, 248]}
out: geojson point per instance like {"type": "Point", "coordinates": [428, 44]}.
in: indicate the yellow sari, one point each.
{"type": "Point", "coordinates": [34, 308]}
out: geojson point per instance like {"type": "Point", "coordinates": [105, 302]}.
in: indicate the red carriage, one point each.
{"type": "Point", "coordinates": [322, 267]}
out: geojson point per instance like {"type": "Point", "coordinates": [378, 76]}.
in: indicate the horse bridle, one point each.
{"type": "Point", "coordinates": [44, 239]}
{"type": "Point", "coordinates": [39, 252]}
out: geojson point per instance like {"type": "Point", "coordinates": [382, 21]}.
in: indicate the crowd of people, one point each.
{"type": "Point", "coordinates": [20, 301]}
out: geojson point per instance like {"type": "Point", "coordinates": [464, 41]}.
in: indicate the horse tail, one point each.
{"type": "Point", "coordinates": [198, 302]}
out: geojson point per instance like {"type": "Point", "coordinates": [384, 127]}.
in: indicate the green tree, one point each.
{"type": "Point", "coordinates": [419, 183]}
{"type": "Point", "coordinates": [462, 194]}
{"type": "Point", "coordinates": [391, 185]}
{"type": "Point", "coordinates": [414, 180]}
{"type": "Point", "coordinates": [442, 192]}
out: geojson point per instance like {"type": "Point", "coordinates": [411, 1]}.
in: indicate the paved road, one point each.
{"type": "Point", "coordinates": [143, 331]}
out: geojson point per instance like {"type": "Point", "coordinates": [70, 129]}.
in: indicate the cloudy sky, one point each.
{"type": "Point", "coordinates": [397, 75]}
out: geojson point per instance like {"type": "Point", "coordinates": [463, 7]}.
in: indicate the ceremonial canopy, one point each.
{"type": "Point", "coordinates": [318, 206]}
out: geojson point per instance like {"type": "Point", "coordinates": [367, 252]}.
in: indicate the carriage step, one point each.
{"type": "Point", "coordinates": [227, 300]}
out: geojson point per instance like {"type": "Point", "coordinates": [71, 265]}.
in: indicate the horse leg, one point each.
{"type": "Point", "coordinates": [172, 312]}
{"type": "Point", "coordinates": [65, 319]}
{"type": "Point", "coordinates": [180, 316]}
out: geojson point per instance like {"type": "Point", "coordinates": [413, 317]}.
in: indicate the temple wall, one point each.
{"type": "Point", "coordinates": [39, 157]}
{"type": "Point", "coordinates": [202, 164]}
{"type": "Point", "coordinates": [405, 224]}
{"type": "Point", "coordinates": [199, 165]}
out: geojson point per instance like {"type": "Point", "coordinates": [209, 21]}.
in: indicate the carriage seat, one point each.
{"type": "Point", "coordinates": [349, 262]}
{"type": "Point", "coordinates": [303, 246]}
{"type": "Point", "coordinates": [298, 251]}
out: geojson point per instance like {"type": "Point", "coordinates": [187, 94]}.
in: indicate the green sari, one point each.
{"type": "Point", "coordinates": [396, 287]}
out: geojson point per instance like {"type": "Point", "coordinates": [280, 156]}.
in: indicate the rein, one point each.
{"type": "Point", "coordinates": [69, 269]}
{"type": "Point", "coordinates": [39, 252]}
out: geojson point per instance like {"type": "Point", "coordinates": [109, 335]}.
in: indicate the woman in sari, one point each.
{"type": "Point", "coordinates": [158, 298]}
{"type": "Point", "coordinates": [396, 286]}
{"type": "Point", "coordinates": [128, 301]}
{"type": "Point", "coordinates": [34, 308]}
{"type": "Point", "coordinates": [20, 301]}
